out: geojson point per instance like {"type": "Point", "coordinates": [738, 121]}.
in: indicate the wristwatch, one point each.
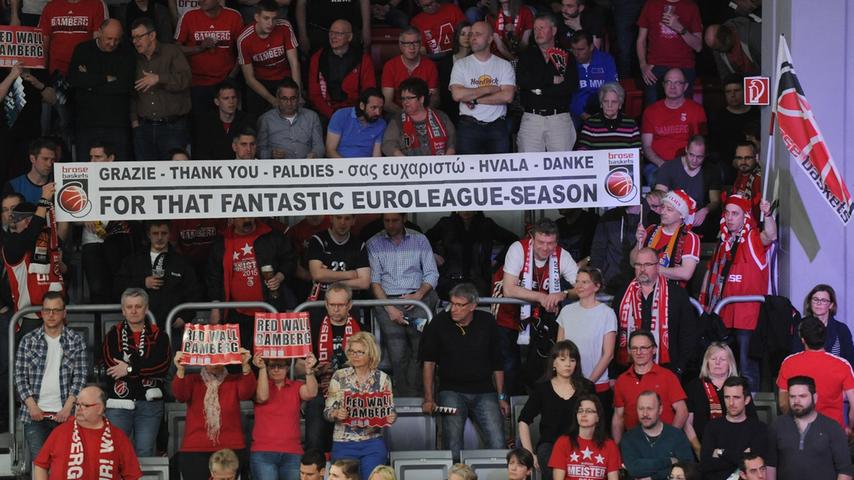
{"type": "Point", "coordinates": [130, 369]}
{"type": "Point", "coordinates": [502, 397]}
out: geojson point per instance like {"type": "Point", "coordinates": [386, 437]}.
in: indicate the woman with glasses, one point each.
{"type": "Point", "coordinates": [554, 400]}
{"type": "Point", "coordinates": [706, 395]}
{"type": "Point", "coordinates": [821, 303]}
{"type": "Point", "coordinates": [592, 325]}
{"type": "Point", "coordinates": [349, 440]}
{"type": "Point", "coordinates": [276, 447]}
{"type": "Point", "coordinates": [213, 399]}
{"type": "Point", "coordinates": [586, 452]}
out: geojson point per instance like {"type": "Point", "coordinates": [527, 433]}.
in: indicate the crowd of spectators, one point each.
{"type": "Point", "coordinates": [638, 382]}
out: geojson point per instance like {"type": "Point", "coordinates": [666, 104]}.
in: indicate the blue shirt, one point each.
{"type": "Point", "coordinates": [599, 71]}
{"type": "Point", "coordinates": [32, 193]}
{"type": "Point", "coordinates": [357, 138]}
{"type": "Point", "coordinates": [402, 268]}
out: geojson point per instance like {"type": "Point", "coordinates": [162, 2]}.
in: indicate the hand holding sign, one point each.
{"type": "Point", "coordinates": [369, 409]}
{"type": "Point", "coordinates": [282, 335]}
{"type": "Point", "coordinates": [212, 345]}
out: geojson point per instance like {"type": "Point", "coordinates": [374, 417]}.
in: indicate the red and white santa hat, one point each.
{"type": "Point", "coordinates": [683, 203]}
{"type": "Point", "coordinates": [739, 201]}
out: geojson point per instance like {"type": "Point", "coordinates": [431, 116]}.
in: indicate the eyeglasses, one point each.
{"type": "Point", "coordinates": [751, 157]}
{"type": "Point", "coordinates": [52, 311]}
{"type": "Point", "coordinates": [460, 305]}
{"type": "Point", "coordinates": [821, 301]}
{"type": "Point", "coordinates": [642, 348]}
{"type": "Point", "coordinates": [141, 35]}
{"type": "Point", "coordinates": [82, 405]}
{"type": "Point", "coordinates": [410, 44]}
{"type": "Point", "coordinates": [407, 98]}
{"type": "Point", "coordinates": [357, 353]}
{"type": "Point", "coordinates": [334, 306]}
{"type": "Point", "coordinates": [588, 411]}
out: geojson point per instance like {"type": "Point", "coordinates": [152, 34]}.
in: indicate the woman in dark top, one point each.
{"type": "Point", "coordinates": [706, 395]}
{"type": "Point", "coordinates": [554, 399]}
{"type": "Point", "coordinates": [821, 303]}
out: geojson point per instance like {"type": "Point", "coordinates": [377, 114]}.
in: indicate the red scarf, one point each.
{"type": "Point", "coordinates": [324, 340]}
{"type": "Point", "coordinates": [715, 409]}
{"type": "Point", "coordinates": [47, 257]}
{"type": "Point", "coordinates": [713, 285]}
{"type": "Point", "coordinates": [631, 318]}
{"type": "Point", "coordinates": [526, 279]}
{"type": "Point", "coordinates": [231, 247]}
{"type": "Point", "coordinates": [76, 455]}
{"type": "Point", "coordinates": [436, 132]}
{"type": "Point", "coordinates": [504, 19]}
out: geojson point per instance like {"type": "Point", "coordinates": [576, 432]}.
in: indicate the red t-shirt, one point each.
{"type": "Point", "coordinates": [587, 462]}
{"type": "Point", "coordinates": [354, 83]}
{"type": "Point", "coordinates": [268, 56]}
{"type": "Point", "coordinates": [671, 128]}
{"type": "Point", "coordinates": [211, 66]}
{"type": "Point", "coordinates": [747, 276]}
{"type": "Point", "coordinates": [194, 237]}
{"type": "Point", "coordinates": [523, 22]}
{"type": "Point", "coordinates": [245, 274]}
{"type": "Point", "coordinates": [395, 72]}
{"type": "Point", "coordinates": [664, 46]}
{"type": "Point", "coordinates": [277, 420]}
{"type": "Point", "coordinates": [437, 30]}
{"type": "Point", "coordinates": [660, 380]}
{"type": "Point", "coordinates": [690, 247]}
{"type": "Point", "coordinates": [65, 25]}
{"type": "Point", "coordinates": [54, 454]}
{"type": "Point", "coordinates": [191, 390]}
{"type": "Point", "coordinates": [832, 377]}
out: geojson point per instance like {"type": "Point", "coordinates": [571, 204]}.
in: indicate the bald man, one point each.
{"type": "Point", "coordinates": [101, 72]}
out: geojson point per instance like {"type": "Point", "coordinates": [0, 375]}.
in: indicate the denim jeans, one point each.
{"type": "Point", "coordinates": [274, 466]}
{"type": "Point", "coordinates": [626, 13]}
{"type": "Point", "coordinates": [140, 424]}
{"type": "Point", "coordinates": [36, 433]}
{"type": "Point", "coordinates": [369, 453]}
{"type": "Point", "coordinates": [484, 411]}
{"type": "Point", "coordinates": [152, 141]}
{"type": "Point", "coordinates": [748, 367]}
{"type": "Point", "coordinates": [651, 93]}
{"type": "Point", "coordinates": [512, 355]}
{"type": "Point", "coordinates": [318, 431]}
{"type": "Point", "coordinates": [475, 137]}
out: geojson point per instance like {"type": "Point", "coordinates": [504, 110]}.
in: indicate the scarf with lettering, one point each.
{"type": "Point", "coordinates": [211, 405]}
{"type": "Point", "coordinates": [436, 132]}
{"type": "Point", "coordinates": [47, 258]}
{"type": "Point", "coordinates": [325, 348]}
{"type": "Point", "coordinates": [713, 287]}
{"type": "Point", "coordinates": [715, 408]}
{"type": "Point", "coordinates": [106, 459]}
{"type": "Point", "coordinates": [331, 86]}
{"type": "Point", "coordinates": [672, 253]}
{"type": "Point", "coordinates": [631, 318]}
{"type": "Point", "coordinates": [526, 280]}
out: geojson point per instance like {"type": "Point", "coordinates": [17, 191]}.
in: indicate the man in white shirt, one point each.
{"type": "Point", "coordinates": [483, 84]}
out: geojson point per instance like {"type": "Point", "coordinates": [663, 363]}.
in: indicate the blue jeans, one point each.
{"type": "Point", "coordinates": [274, 466]}
{"type": "Point", "coordinates": [36, 433]}
{"type": "Point", "coordinates": [484, 411]}
{"type": "Point", "coordinates": [474, 137]}
{"type": "Point", "coordinates": [512, 356]}
{"type": "Point", "coordinates": [140, 424]}
{"type": "Point", "coordinates": [748, 367]}
{"type": "Point", "coordinates": [318, 431]}
{"type": "Point", "coordinates": [369, 453]}
{"type": "Point", "coordinates": [651, 92]}
{"type": "Point", "coordinates": [626, 13]}
{"type": "Point", "coordinates": [152, 141]}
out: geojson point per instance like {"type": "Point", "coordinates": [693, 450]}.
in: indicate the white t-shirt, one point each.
{"type": "Point", "coordinates": [470, 72]}
{"type": "Point", "coordinates": [586, 327]}
{"type": "Point", "coordinates": [50, 398]}
{"type": "Point", "coordinates": [515, 259]}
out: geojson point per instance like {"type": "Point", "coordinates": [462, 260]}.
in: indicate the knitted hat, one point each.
{"type": "Point", "coordinates": [683, 203]}
{"type": "Point", "coordinates": [740, 202]}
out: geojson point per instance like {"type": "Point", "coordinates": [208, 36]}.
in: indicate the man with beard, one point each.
{"type": "Point", "coordinates": [358, 131]}
{"type": "Point", "coordinates": [576, 15]}
{"type": "Point", "coordinates": [748, 179]}
{"type": "Point", "coordinates": [651, 448]}
{"type": "Point", "coordinates": [805, 443]}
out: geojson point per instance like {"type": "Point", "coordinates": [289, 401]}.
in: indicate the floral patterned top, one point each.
{"type": "Point", "coordinates": [344, 380]}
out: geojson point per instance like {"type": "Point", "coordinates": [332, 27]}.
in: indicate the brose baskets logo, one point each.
{"type": "Point", "coordinates": [620, 182]}
{"type": "Point", "coordinates": [73, 195]}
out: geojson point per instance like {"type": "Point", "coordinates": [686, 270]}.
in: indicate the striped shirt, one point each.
{"type": "Point", "coordinates": [402, 268]}
{"type": "Point", "coordinates": [599, 133]}
{"type": "Point", "coordinates": [31, 360]}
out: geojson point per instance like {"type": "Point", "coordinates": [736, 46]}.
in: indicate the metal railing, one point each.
{"type": "Point", "coordinates": [13, 323]}
{"type": "Point", "coordinates": [737, 299]}
{"type": "Point", "coordinates": [211, 305]}
{"type": "Point", "coordinates": [697, 305]}
{"type": "Point", "coordinates": [372, 303]}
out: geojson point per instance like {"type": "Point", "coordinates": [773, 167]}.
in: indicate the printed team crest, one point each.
{"type": "Point", "coordinates": [121, 388]}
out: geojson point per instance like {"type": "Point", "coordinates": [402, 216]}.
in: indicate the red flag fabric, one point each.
{"type": "Point", "coordinates": [803, 138]}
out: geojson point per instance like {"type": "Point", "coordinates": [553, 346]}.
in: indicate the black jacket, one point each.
{"type": "Point", "coordinates": [149, 370]}
{"type": "Point", "coordinates": [534, 73]}
{"type": "Point", "coordinates": [98, 101]}
{"type": "Point", "coordinates": [180, 283]}
{"type": "Point", "coordinates": [211, 141]}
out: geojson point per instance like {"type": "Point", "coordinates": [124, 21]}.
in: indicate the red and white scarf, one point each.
{"type": "Point", "coordinates": [47, 257]}
{"type": "Point", "coordinates": [436, 132]}
{"type": "Point", "coordinates": [631, 318]}
{"type": "Point", "coordinates": [526, 279]}
{"type": "Point", "coordinates": [714, 285]}
{"type": "Point", "coordinates": [325, 345]}
{"type": "Point", "coordinates": [76, 455]}
{"type": "Point", "coordinates": [715, 408]}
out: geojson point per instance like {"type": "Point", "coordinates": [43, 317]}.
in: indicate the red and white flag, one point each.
{"type": "Point", "coordinates": [803, 138]}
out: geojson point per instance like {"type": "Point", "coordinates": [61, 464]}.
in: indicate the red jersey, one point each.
{"type": "Point", "coordinates": [395, 72]}
{"type": "Point", "coordinates": [588, 461]}
{"type": "Point", "coordinates": [832, 376]}
{"type": "Point", "coordinates": [268, 56]}
{"type": "Point", "coordinates": [671, 128]}
{"type": "Point", "coordinates": [194, 237]}
{"type": "Point", "coordinates": [356, 81]}
{"type": "Point", "coordinates": [211, 66]}
{"type": "Point", "coordinates": [748, 275]}
{"type": "Point", "coordinates": [437, 30]}
{"type": "Point", "coordinates": [65, 25]}
{"type": "Point", "coordinates": [666, 47]}
{"type": "Point", "coordinates": [29, 288]}
{"type": "Point", "coordinates": [522, 22]}
{"type": "Point", "coordinates": [660, 242]}
{"type": "Point", "coordinates": [54, 454]}
{"type": "Point", "coordinates": [245, 274]}
{"type": "Point", "coordinates": [659, 380]}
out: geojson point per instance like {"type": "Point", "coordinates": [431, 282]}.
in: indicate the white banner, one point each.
{"type": "Point", "coordinates": [259, 188]}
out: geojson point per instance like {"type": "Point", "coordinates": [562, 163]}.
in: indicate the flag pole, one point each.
{"type": "Point", "coordinates": [769, 150]}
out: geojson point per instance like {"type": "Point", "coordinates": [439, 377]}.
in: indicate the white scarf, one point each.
{"type": "Point", "coordinates": [528, 269]}
{"type": "Point", "coordinates": [106, 463]}
{"type": "Point", "coordinates": [212, 408]}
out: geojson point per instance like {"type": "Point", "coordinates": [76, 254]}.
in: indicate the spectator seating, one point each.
{"type": "Point", "coordinates": [766, 406]}
{"type": "Point", "coordinates": [383, 46]}
{"type": "Point", "coordinates": [176, 417]}
{"type": "Point", "coordinates": [412, 430]}
{"type": "Point", "coordinates": [421, 464]}
{"type": "Point", "coordinates": [487, 464]}
{"type": "Point", "coordinates": [517, 402]}
{"type": "Point", "coordinates": [154, 468]}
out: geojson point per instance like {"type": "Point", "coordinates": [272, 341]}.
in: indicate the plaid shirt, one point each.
{"type": "Point", "coordinates": [30, 363]}
{"type": "Point", "coordinates": [401, 269]}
